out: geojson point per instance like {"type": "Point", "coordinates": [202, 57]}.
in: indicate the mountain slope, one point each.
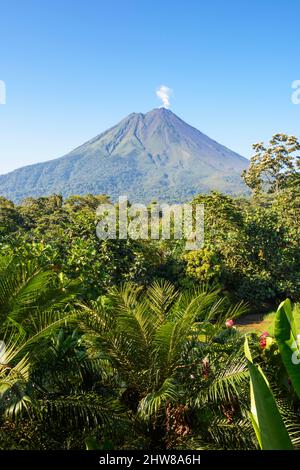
{"type": "Point", "coordinates": [146, 156]}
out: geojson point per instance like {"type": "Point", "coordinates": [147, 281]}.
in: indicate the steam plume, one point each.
{"type": "Point", "coordinates": [163, 93]}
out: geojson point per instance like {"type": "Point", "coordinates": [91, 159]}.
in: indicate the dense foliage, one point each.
{"type": "Point", "coordinates": [131, 344]}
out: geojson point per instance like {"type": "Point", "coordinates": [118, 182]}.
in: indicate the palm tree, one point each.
{"type": "Point", "coordinates": [163, 348]}
{"type": "Point", "coordinates": [33, 302]}
{"type": "Point", "coordinates": [45, 373]}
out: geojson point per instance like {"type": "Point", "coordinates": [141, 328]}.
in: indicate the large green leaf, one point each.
{"type": "Point", "coordinates": [266, 419]}
{"type": "Point", "coordinates": [287, 334]}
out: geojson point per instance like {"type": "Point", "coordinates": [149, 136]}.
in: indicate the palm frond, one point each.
{"type": "Point", "coordinates": [229, 381]}
{"type": "Point", "coordinates": [152, 403]}
{"type": "Point", "coordinates": [161, 295]}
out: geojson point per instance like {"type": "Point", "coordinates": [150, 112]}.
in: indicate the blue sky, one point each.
{"type": "Point", "coordinates": [74, 68]}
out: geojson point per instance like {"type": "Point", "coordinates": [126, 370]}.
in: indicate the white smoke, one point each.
{"type": "Point", "coordinates": [163, 93]}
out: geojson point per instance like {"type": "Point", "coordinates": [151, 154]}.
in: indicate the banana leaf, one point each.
{"type": "Point", "coordinates": [287, 334]}
{"type": "Point", "coordinates": [267, 422]}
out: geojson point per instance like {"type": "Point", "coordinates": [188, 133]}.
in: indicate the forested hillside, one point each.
{"type": "Point", "coordinates": [135, 344]}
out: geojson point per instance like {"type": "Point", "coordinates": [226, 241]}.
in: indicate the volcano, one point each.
{"type": "Point", "coordinates": [152, 156]}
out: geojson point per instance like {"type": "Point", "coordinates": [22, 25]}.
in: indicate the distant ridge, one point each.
{"type": "Point", "coordinates": [146, 156]}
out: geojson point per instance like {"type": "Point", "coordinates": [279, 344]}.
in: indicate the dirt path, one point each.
{"type": "Point", "coordinates": [250, 318]}
{"type": "Point", "coordinates": [253, 323]}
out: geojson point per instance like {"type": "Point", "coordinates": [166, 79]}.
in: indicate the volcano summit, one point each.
{"type": "Point", "coordinates": [146, 156]}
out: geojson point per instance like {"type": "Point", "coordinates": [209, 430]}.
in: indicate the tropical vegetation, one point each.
{"type": "Point", "coordinates": [136, 344]}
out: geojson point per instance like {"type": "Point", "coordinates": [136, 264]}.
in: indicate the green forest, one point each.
{"type": "Point", "coordinates": [141, 344]}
